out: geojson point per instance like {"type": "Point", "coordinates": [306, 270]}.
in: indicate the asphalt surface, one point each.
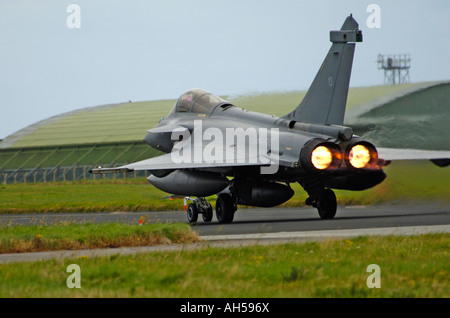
{"type": "Point", "coordinates": [265, 220]}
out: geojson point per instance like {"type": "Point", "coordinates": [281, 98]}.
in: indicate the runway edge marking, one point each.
{"type": "Point", "coordinates": [404, 230]}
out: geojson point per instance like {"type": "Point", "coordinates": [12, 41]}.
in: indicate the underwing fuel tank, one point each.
{"type": "Point", "coordinates": [190, 183]}
{"type": "Point", "coordinates": [261, 193]}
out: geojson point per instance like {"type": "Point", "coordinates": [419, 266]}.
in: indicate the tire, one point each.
{"type": "Point", "coordinates": [192, 213]}
{"type": "Point", "coordinates": [207, 215]}
{"type": "Point", "coordinates": [224, 208]}
{"type": "Point", "coordinates": [327, 204]}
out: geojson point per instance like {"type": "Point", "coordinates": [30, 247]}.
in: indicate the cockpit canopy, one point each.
{"type": "Point", "coordinates": [197, 101]}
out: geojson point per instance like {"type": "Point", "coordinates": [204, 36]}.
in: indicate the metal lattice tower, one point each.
{"type": "Point", "coordinates": [396, 68]}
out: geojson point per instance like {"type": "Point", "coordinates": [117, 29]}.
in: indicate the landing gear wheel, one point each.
{"type": "Point", "coordinates": [225, 208]}
{"type": "Point", "coordinates": [192, 213]}
{"type": "Point", "coordinates": [207, 214]}
{"type": "Point", "coordinates": [327, 204]}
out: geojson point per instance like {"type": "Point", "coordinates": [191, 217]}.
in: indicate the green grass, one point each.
{"type": "Point", "coordinates": [89, 196]}
{"type": "Point", "coordinates": [65, 236]}
{"type": "Point", "coordinates": [405, 182]}
{"type": "Point", "coordinates": [415, 266]}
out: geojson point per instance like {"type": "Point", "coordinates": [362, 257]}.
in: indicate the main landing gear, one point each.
{"type": "Point", "coordinates": [324, 200]}
{"type": "Point", "coordinates": [225, 209]}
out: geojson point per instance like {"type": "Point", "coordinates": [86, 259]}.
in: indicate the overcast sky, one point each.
{"type": "Point", "coordinates": [147, 50]}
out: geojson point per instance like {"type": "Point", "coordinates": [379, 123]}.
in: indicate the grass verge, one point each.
{"type": "Point", "coordinates": [405, 182]}
{"type": "Point", "coordinates": [37, 238]}
{"type": "Point", "coordinates": [335, 268]}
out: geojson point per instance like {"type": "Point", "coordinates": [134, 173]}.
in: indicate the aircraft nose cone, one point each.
{"type": "Point", "coordinates": [149, 139]}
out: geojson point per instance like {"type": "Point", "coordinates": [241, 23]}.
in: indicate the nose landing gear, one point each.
{"type": "Point", "coordinates": [225, 209]}
{"type": "Point", "coordinates": [199, 205]}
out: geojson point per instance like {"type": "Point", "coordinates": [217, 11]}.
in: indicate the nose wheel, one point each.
{"type": "Point", "coordinates": [198, 206]}
{"type": "Point", "coordinates": [225, 209]}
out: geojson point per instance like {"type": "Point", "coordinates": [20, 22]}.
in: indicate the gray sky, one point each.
{"type": "Point", "coordinates": [146, 50]}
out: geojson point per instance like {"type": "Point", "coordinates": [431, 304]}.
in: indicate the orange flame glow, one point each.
{"type": "Point", "coordinates": [359, 156]}
{"type": "Point", "coordinates": [321, 157]}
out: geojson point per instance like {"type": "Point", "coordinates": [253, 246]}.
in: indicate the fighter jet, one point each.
{"type": "Point", "coordinates": [213, 147]}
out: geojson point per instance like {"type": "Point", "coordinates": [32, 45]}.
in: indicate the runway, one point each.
{"type": "Point", "coordinates": [265, 220]}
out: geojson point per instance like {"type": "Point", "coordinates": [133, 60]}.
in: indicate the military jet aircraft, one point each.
{"type": "Point", "coordinates": [247, 158]}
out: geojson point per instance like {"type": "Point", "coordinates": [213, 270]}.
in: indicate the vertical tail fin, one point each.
{"type": "Point", "coordinates": [325, 101]}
